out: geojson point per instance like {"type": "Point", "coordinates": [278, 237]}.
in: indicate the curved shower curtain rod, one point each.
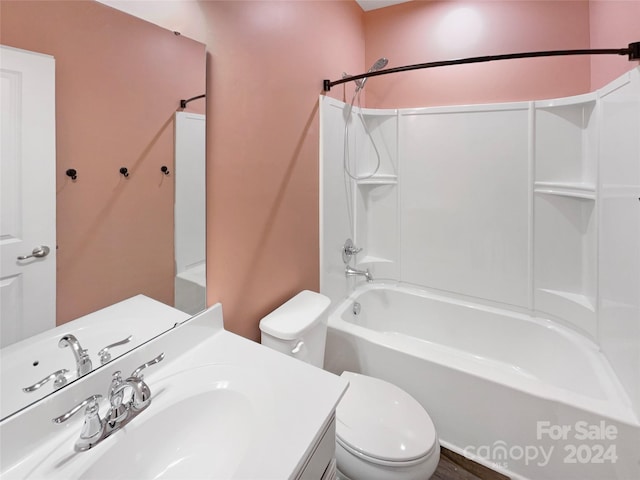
{"type": "Point", "coordinates": [183, 103]}
{"type": "Point", "coordinates": [633, 50]}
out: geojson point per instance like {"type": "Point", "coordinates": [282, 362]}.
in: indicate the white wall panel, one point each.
{"type": "Point", "coordinates": [190, 217]}
{"type": "Point", "coordinates": [619, 240]}
{"type": "Point", "coordinates": [464, 189]}
{"type": "Point", "coordinates": [366, 209]}
{"type": "Point", "coordinates": [336, 199]}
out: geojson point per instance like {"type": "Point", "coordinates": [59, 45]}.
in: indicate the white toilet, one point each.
{"type": "Point", "coordinates": [382, 433]}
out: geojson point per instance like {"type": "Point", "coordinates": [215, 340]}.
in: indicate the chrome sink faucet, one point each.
{"type": "Point", "coordinates": [83, 362]}
{"type": "Point", "coordinates": [121, 411]}
{"type": "Point", "coordinates": [140, 393]}
{"type": "Point", "coordinates": [352, 272]}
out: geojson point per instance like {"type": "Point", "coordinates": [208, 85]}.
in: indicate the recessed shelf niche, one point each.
{"type": "Point", "coordinates": [376, 222]}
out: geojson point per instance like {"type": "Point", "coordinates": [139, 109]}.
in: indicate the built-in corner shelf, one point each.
{"type": "Point", "coordinates": [373, 259]}
{"type": "Point", "coordinates": [565, 196]}
{"type": "Point", "coordinates": [379, 179]}
{"type": "Point", "coordinates": [565, 146]}
{"type": "Point", "coordinates": [564, 189]}
{"type": "Point", "coordinates": [575, 298]}
{"type": "Point", "coordinates": [575, 308]}
{"type": "Point", "coordinates": [587, 99]}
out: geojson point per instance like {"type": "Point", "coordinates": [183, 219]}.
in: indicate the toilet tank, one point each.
{"type": "Point", "coordinates": [298, 327]}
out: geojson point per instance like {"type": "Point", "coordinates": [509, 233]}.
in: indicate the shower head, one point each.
{"type": "Point", "coordinates": [379, 65]}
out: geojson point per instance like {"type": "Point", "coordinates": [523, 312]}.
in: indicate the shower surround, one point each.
{"type": "Point", "coordinates": [529, 207]}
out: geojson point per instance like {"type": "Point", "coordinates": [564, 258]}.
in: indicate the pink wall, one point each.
{"type": "Point", "coordinates": [424, 31]}
{"type": "Point", "coordinates": [118, 83]}
{"type": "Point", "coordinates": [266, 64]}
{"type": "Point", "coordinates": [266, 61]}
{"type": "Point", "coordinates": [614, 24]}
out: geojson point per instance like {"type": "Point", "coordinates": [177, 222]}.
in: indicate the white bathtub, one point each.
{"type": "Point", "coordinates": [523, 395]}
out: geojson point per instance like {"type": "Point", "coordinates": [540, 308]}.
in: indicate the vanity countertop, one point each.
{"type": "Point", "coordinates": [29, 361]}
{"type": "Point", "coordinates": [283, 410]}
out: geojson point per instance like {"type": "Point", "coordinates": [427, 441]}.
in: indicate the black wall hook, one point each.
{"type": "Point", "coordinates": [124, 172]}
{"type": "Point", "coordinates": [72, 173]}
{"type": "Point", "coordinates": [165, 170]}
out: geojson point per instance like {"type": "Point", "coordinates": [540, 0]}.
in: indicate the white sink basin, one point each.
{"type": "Point", "coordinates": [200, 426]}
{"type": "Point", "coordinates": [201, 423]}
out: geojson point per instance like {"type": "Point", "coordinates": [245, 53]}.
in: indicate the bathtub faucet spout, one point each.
{"type": "Point", "coordinates": [352, 272]}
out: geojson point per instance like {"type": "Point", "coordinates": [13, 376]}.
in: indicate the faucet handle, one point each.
{"type": "Point", "coordinates": [136, 372]}
{"type": "Point", "coordinates": [92, 407]}
{"type": "Point", "coordinates": [349, 250]}
{"type": "Point", "coordinates": [142, 394]}
{"type": "Point", "coordinates": [60, 380]}
{"type": "Point", "coordinates": [105, 355]}
{"type": "Point", "coordinates": [93, 427]}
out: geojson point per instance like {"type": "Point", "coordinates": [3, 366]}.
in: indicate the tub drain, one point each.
{"type": "Point", "coordinates": [356, 308]}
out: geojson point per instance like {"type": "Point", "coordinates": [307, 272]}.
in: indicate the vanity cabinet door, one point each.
{"type": "Point", "coordinates": [324, 452]}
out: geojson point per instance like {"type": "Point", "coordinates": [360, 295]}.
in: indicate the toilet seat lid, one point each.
{"type": "Point", "coordinates": [381, 421]}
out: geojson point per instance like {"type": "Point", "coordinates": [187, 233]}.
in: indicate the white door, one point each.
{"type": "Point", "coordinates": [27, 194]}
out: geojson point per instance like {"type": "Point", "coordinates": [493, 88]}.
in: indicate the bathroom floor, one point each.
{"type": "Point", "coordinates": [456, 467]}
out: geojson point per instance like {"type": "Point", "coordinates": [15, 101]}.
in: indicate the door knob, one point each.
{"type": "Point", "coordinates": [38, 252]}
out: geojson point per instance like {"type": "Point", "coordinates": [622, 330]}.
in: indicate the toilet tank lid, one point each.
{"type": "Point", "coordinates": [296, 315]}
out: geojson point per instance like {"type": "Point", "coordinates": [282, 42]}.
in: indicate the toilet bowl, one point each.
{"type": "Point", "coordinates": [382, 433]}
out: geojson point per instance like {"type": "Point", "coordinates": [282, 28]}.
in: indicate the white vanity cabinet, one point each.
{"type": "Point", "coordinates": [319, 463]}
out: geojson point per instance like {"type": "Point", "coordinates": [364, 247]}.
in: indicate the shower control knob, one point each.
{"type": "Point", "coordinates": [349, 250]}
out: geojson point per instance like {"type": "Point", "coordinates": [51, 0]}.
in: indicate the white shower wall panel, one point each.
{"type": "Point", "coordinates": [465, 200]}
{"type": "Point", "coordinates": [189, 212]}
{"type": "Point", "coordinates": [190, 222]}
{"type": "Point", "coordinates": [336, 198]}
{"type": "Point", "coordinates": [619, 239]}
